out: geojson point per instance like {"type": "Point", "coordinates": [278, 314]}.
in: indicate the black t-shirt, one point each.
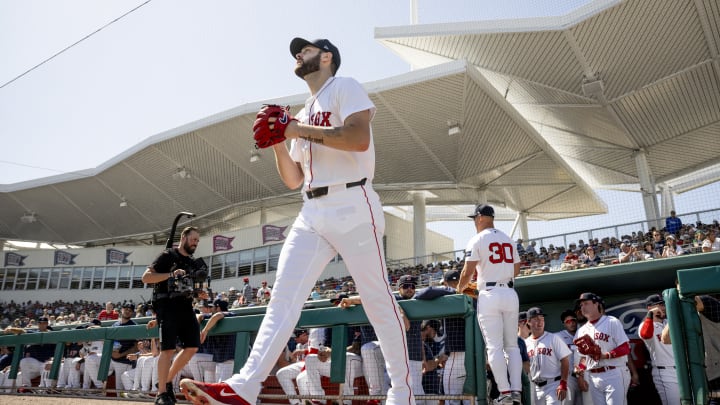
{"type": "Point", "coordinates": [168, 261]}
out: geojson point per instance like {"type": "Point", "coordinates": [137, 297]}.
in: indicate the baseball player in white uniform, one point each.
{"type": "Point", "coordinates": [663, 359]}
{"type": "Point", "coordinates": [609, 378]}
{"type": "Point", "coordinates": [332, 159]}
{"type": "Point", "coordinates": [549, 361]}
{"type": "Point", "coordinates": [308, 342]}
{"type": "Point", "coordinates": [494, 257]}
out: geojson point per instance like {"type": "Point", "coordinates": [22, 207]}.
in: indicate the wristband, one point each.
{"type": "Point", "coordinates": [563, 385]}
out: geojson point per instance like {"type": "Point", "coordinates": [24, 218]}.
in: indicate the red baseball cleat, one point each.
{"type": "Point", "coordinates": [200, 393]}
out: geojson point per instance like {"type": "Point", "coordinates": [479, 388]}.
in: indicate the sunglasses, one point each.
{"type": "Point", "coordinates": [408, 286]}
{"type": "Point", "coordinates": [570, 320]}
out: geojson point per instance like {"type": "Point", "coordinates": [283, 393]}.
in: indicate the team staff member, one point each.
{"type": "Point", "coordinates": [549, 361]}
{"type": "Point", "coordinates": [663, 359]}
{"type": "Point", "coordinates": [332, 159]}
{"type": "Point", "coordinates": [608, 376]}
{"type": "Point", "coordinates": [175, 314]}
{"type": "Point", "coordinates": [121, 348]}
{"type": "Point", "coordinates": [492, 255]}
{"type": "Point", "coordinates": [567, 335]}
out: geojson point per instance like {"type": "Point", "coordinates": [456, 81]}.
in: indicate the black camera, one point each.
{"type": "Point", "coordinates": [194, 280]}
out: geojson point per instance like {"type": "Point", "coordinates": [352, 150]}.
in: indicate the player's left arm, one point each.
{"type": "Point", "coordinates": [467, 272]}
{"type": "Point", "coordinates": [352, 136]}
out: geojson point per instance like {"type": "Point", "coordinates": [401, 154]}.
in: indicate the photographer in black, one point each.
{"type": "Point", "coordinates": [176, 275]}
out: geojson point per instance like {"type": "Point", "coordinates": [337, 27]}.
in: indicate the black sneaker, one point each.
{"type": "Point", "coordinates": [169, 389]}
{"type": "Point", "coordinates": [164, 399]}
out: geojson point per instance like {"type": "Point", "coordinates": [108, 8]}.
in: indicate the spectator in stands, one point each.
{"type": "Point", "coordinates": [658, 242]}
{"type": "Point", "coordinates": [247, 292]}
{"type": "Point", "coordinates": [671, 248]}
{"type": "Point", "coordinates": [590, 258]}
{"type": "Point", "coordinates": [649, 252]}
{"type": "Point", "coordinates": [109, 313]}
{"type": "Point", "coordinates": [520, 247]}
{"type": "Point", "coordinates": [232, 294]}
{"type": "Point", "coordinates": [263, 293]}
{"type": "Point", "coordinates": [629, 252]}
{"type": "Point", "coordinates": [531, 248]}
{"type": "Point", "coordinates": [316, 293]}
{"type": "Point", "coordinates": [36, 357]}
{"type": "Point", "coordinates": [712, 242]}
{"type": "Point", "coordinates": [673, 224]}
{"type": "Point", "coordinates": [555, 262]}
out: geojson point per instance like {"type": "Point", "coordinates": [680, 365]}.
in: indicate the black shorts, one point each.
{"type": "Point", "coordinates": [178, 324]}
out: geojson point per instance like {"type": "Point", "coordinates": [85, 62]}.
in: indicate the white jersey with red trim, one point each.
{"type": "Point", "coordinates": [660, 353]}
{"type": "Point", "coordinates": [322, 166]}
{"type": "Point", "coordinates": [608, 333]}
{"type": "Point", "coordinates": [496, 256]}
{"type": "Point", "coordinates": [546, 353]}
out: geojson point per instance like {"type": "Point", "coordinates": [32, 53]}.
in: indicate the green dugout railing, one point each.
{"type": "Point", "coordinates": [316, 314]}
{"type": "Point", "coordinates": [686, 331]}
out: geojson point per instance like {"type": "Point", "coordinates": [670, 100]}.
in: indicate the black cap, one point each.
{"type": "Point", "coordinates": [588, 296]}
{"type": "Point", "coordinates": [222, 304]}
{"type": "Point", "coordinates": [43, 319]}
{"type": "Point", "coordinates": [653, 300]}
{"type": "Point", "coordinates": [484, 210]}
{"type": "Point", "coordinates": [208, 304]}
{"type": "Point", "coordinates": [433, 323]}
{"type": "Point", "coordinates": [566, 313]}
{"type": "Point", "coordinates": [407, 279]}
{"type": "Point", "coordinates": [96, 322]}
{"type": "Point", "coordinates": [451, 275]}
{"type": "Point", "coordinates": [522, 316]}
{"type": "Point", "coordinates": [338, 298]}
{"type": "Point", "coordinates": [128, 305]}
{"type": "Point", "coordinates": [299, 331]}
{"type": "Point", "coordinates": [297, 44]}
{"type": "Point", "coordinates": [534, 311]}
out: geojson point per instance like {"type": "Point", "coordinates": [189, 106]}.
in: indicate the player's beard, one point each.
{"type": "Point", "coordinates": [307, 67]}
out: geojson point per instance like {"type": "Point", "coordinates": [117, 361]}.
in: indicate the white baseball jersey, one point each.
{"type": "Point", "coordinates": [608, 333]}
{"type": "Point", "coordinates": [545, 354]}
{"type": "Point", "coordinates": [496, 256]}
{"type": "Point", "coordinates": [663, 372]}
{"type": "Point", "coordinates": [660, 353]}
{"type": "Point", "coordinates": [322, 166]}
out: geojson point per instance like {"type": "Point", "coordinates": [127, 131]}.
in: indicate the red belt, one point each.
{"type": "Point", "coordinates": [602, 369]}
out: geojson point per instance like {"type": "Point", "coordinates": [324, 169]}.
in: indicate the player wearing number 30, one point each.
{"type": "Point", "coordinates": [492, 255]}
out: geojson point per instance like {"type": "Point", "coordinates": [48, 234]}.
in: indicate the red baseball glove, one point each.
{"type": "Point", "coordinates": [270, 124]}
{"type": "Point", "coordinates": [588, 347]}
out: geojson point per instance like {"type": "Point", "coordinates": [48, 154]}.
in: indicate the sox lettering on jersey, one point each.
{"type": "Point", "coordinates": [546, 351]}
{"type": "Point", "coordinates": [320, 119]}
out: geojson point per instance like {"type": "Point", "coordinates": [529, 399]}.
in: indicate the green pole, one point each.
{"type": "Point", "coordinates": [672, 307]}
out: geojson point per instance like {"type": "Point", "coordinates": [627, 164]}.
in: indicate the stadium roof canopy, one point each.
{"type": "Point", "coordinates": [526, 137]}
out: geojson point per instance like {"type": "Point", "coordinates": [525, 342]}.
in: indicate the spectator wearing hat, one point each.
{"type": "Point", "coordinates": [121, 348]}
{"type": "Point", "coordinates": [661, 354]}
{"type": "Point", "coordinates": [232, 294]}
{"type": "Point", "coordinates": [549, 361]}
{"type": "Point", "coordinates": [607, 375]}
{"type": "Point", "coordinates": [247, 292]}
{"type": "Point", "coordinates": [36, 357]}
{"type": "Point", "coordinates": [671, 248]}
{"type": "Point", "coordinates": [629, 252]}
{"type": "Point", "coordinates": [453, 355]}
{"type": "Point", "coordinates": [590, 258]}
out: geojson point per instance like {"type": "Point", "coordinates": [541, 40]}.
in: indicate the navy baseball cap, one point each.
{"type": "Point", "coordinates": [43, 319]}
{"type": "Point", "coordinates": [522, 316]}
{"type": "Point", "coordinates": [451, 275]}
{"type": "Point", "coordinates": [484, 210]}
{"type": "Point", "coordinates": [566, 313]}
{"type": "Point", "coordinates": [222, 304]}
{"type": "Point", "coordinates": [588, 296]}
{"type": "Point", "coordinates": [297, 44]}
{"type": "Point", "coordinates": [534, 311]}
{"type": "Point", "coordinates": [653, 300]}
{"type": "Point", "coordinates": [407, 279]}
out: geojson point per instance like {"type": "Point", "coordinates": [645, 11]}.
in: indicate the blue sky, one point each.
{"type": "Point", "coordinates": [169, 63]}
